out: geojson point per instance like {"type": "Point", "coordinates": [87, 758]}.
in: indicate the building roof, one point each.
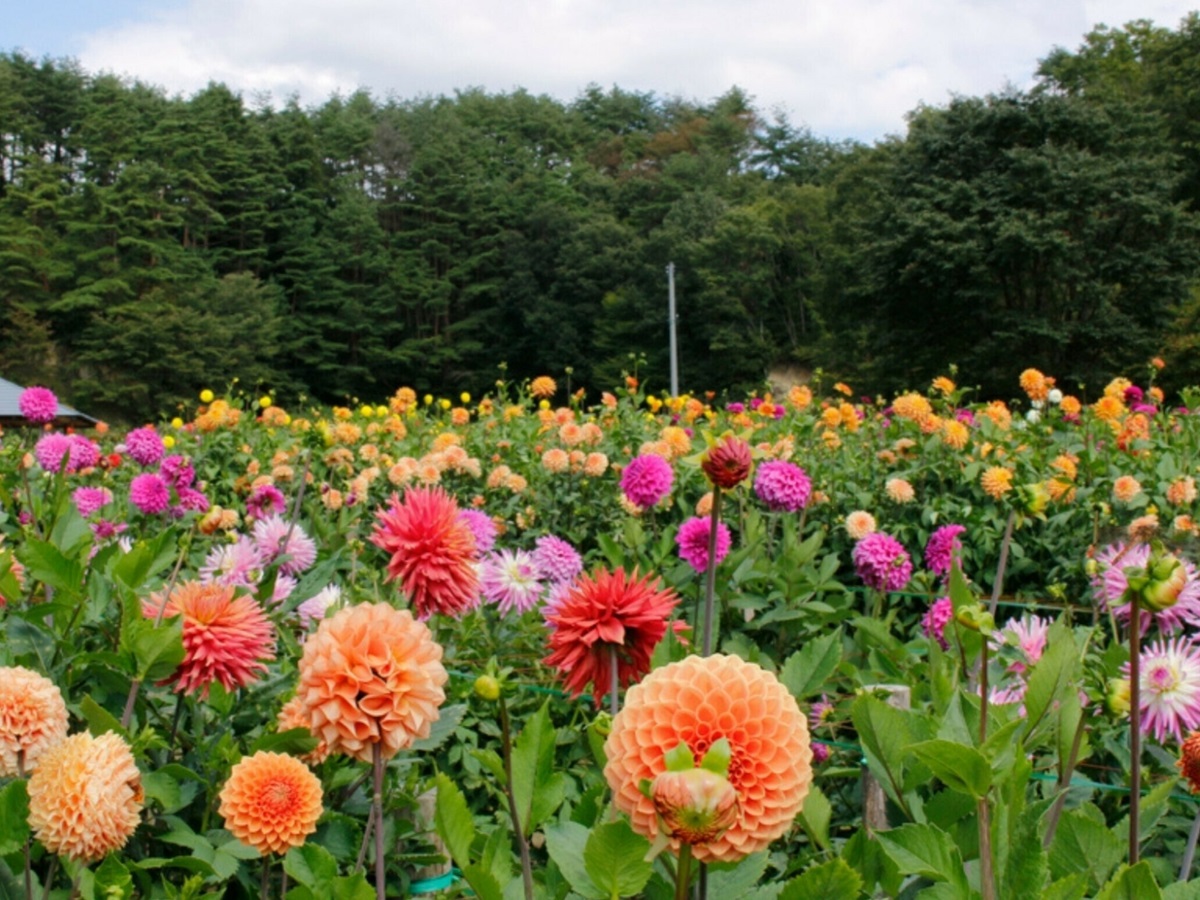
{"type": "Point", "coordinates": [10, 411]}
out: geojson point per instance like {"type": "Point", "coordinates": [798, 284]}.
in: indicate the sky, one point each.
{"type": "Point", "coordinates": [846, 69]}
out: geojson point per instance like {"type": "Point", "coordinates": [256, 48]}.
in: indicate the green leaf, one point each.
{"type": "Point", "coordinates": [1052, 675]}
{"type": "Point", "coordinates": [815, 817]}
{"type": "Point", "coordinates": [1182, 890]}
{"type": "Point", "coordinates": [565, 842]}
{"type": "Point", "coordinates": [960, 768]}
{"type": "Point", "coordinates": [46, 563]}
{"type": "Point", "coordinates": [312, 866]}
{"type": "Point", "coordinates": [482, 882]}
{"type": "Point", "coordinates": [100, 720]}
{"type": "Point", "coordinates": [163, 788]}
{"type": "Point", "coordinates": [806, 672]}
{"type": "Point", "coordinates": [453, 821]}
{"type": "Point", "coordinates": [296, 741]}
{"type": "Point", "coordinates": [14, 816]}
{"type": "Point", "coordinates": [1073, 887]}
{"type": "Point", "coordinates": [737, 879]}
{"type": "Point", "coordinates": [1083, 844]}
{"type": "Point", "coordinates": [157, 651]}
{"type": "Point", "coordinates": [885, 735]}
{"type": "Point", "coordinates": [1132, 883]}
{"type": "Point", "coordinates": [533, 770]}
{"type": "Point", "coordinates": [442, 730]}
{"type": "Point", "coordinates": [1027, 864]}
{"type": "Point", "coordinates": [615, 859]}
{"type": "Point", "coordinates": [833, 880]}
{"type": "Point", "coordinates": [113, 880]}
{"type": "Point", "coordinates": [352, 887]}
{"type": "Point", "coordinates": [927, 851]}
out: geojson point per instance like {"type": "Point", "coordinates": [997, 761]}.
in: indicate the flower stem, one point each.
{"type": "Point", "coordinates": [28, 840]}
{"type": "Point", "coordinates": [683, 871]}
{"type": "Point", "coordinates": [522, 846]}
{"type": "Point", "coordinates": [1189, 854]}
{"type": "Point", "coordinates": [614, 682]}
{"type": "Point", "coordinates": [264, 888]}
{"type": "Point", "coordinates": [710, 577]}
{"type": "Point", "coordinates": [998, 586]}
{"type": "Point", "coordinates": [377, 807]}
{"type": "Point", "coordinates": [987, 878]}
{"type": "Point", "coordinates": [1135, 725]}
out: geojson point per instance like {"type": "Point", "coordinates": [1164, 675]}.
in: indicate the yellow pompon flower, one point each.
{"type": "Point", "coordinates": [996, 481]}
{"type": "Point", "coordinates": [1108, 409]}
{"type": "Point", "coordinates": [265, 400]}
{"type": "Point", "coordinates": [944, 385]}
{"type": "Point", "coordinates": [899, 490]}
{"type": "Point", "coordinates": [271, 802]}
{"type": "Point", "coordinates": [85, 799]}
{"type": "Point", "coordinates": [33, 718]}
{"type": "Point", "coordinates": [206, 396]}
{"type": "Point", "coordinates": [955, 434]}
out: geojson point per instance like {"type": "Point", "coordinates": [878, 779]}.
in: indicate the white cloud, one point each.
{"type": "Point", "coordinates": [847, 69]}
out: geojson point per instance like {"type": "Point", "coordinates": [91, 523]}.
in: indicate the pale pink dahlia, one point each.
{"type": "Point", "coordinates": [1028, 634]}
{"type": "Point", "coordinates": [90, 499]}
{"type": "Point", "coordinates": [647, 480]}
{"type": "Point", "coordinates": [783, 486]}
{"type": "Point", "coordinates": [1170, 688]}
{"type": "Point", "coordinates": [556, 559]}
{"type": "Point", "coordinates": [882, 562]}
{"type": "Point", "coordinates": [481, 526]}
{"type": "Point", "coordinates": [692, 539]}
{"type": "Point", "coordinates": [274, 537]}
{"type": "Point", "coordinates": [510, 579]}
{"type": "Point", "coordinates": [239, 564]}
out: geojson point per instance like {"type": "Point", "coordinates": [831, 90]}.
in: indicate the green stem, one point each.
{"type": "Point", "coordinates": [1189, 854]}
{"type": "Point", "coordinates": [377, 806]}
{"type": "Point", "coordinates": [710, 578]}
{"type": "Point", "coordinates": [683, 872]}
{"type": "Point", "coordinates": [264, 887]}
{"type": "Point", "coordinates": [998, 587]}
{"type": "Point", "coordinates": [614, 682]}
{"type": "Point", "coordinates": [1135, 726]}
{"type": "Point", "coordinates": [522, 845]}
{"type": "Point", "coordinates": [987, 877]}
{"type": "Point", "coordinates": [28, 840]}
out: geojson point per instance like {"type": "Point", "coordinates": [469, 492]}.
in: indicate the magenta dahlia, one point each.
{"type": "Point", "coordinates": [882, 562]}
{"type": "Point", "coordinates": [783, 486]}
{"type": "Point", "coordinates": [647, 480]}
{"type": "Point", "coordinates": [692, 539]}
{"type": "Point", "coordinates": [38, 405]}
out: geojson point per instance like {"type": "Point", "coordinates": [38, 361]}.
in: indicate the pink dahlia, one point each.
{"type": "Point", "coordinates": [511, 580]}
{"type": "Point", "coordinates": [149, 493]}
{"type": "Point", "coordinates": [783, 486]}
{"type": "Point", "coordinates": [178, 471]}
{"type": "Point", "coordinates": [53, 451]}
{"type": "Point", "coordinates": [38, 405]}
{"type": "Point", "coordinates": [1170, 688]}
{"type": "Point", "coordinates": [556, 559]}
{"type": "Point", "coordinates": [144, 445]}
{"type": "Point", "coordinates": [692, 539]}
{"type": "Point", "coordinates": [315, 608]}
{"type": "Point", "coordinates": [940, 612]}
{"type": "Point", "coordinates": [647, 480]}
{"type": "Point", "coordinates": [82, 453]}
{"type": "Point", "coordinates": [482, 527]}
{"type": "Point", "coordinates": [192, 500]}
{"type": "Point", "coordinates": [264, 500]}
{"type": "Point", "coordinates": [238, 564]}
{"type": "Point", "coordinates": [882, 562]}
{"type": "Point", "coordinates": [1028, 635]}
{"type": "Point", "coordinates": [939, 550]}
{"type": "Point", "coordinates": [274, 537]}
{"type": "Point", "coordinates": [90, 499]}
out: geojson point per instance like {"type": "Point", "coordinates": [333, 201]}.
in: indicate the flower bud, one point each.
{"type": "Point", "coordinates": [1167, 580]}
{"type": "Point", "coordinates": [728, 463]}
{"type": "Point", "coordinates": [976, 618]}
{"type": "Point", "coordinates": [694, 806]}
{"type": "Point", "coordinates": [487, 687]}
{"type": "Point", "coordinates": [1118, 696]}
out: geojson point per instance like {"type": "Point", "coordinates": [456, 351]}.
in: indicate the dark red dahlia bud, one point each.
{"type": "Point", "coordinates": [728, 463]}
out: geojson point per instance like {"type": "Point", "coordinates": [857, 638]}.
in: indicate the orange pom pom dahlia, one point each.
{"type": "Point", "coordinates": [370, 675]}
{"type": "Point", "coordinates": [33, 718]}
{"type": "Point", "coordinates": [433, 551]}
{"type": "Point", "coordinates": [698, 701]}
{"type": "Point", "coordinates": [226, 638]}
{"type": "Point", "coordinates": [85, 799]}
{"type": "Point", "coordinates": [271, 802]}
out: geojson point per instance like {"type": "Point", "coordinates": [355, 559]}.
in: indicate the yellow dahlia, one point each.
{"type": "Point", "coordinates": [85, 799]}
{"type": "Point", "coordinates": [698, 701]}
{"type": "Point", "coordinates": [370, 675]}
{"type": "Point", "coordinates": [996, 481]}
{"type": "Point", "coordinates": [271, 802]}
{"type": "Point", "coordinates": [33, 718]}
{"type": "Point", "coordinates": [955, 433]}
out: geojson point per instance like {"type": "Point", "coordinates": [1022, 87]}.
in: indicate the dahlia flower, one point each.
{"type": "Point", "coordinates": [433, 551]}
{"type": "Point", "coordinates": [1028, 634]}
{"type": "Point", "coordinates": [882, 562]}
{"type": "Point", "coordinates": [556, 559]}
{"type": "Point", "coordinates": [1189, 762]}
{"type": "Point", "coordinates": [692, 539]}
{"type": "Point", "coordinates": [371, 674]}
{"type": "Point", "coordinates": [939, 549]}
{"type": "Point", "coordinates": [149, 493]}
{"type": "Point", "coordinates": [271, 802]}
{"type": "Point", "coordinates": [85, 799]}
{"type": "Point", "coordinates": [783, 486]}
{"type": "Point", "coordinates": [226, 638]}
{"type": "Point", "coordinates": [859, 524]}
{"type": "Point", "coordinates": [939, 614]}
{"type": "Point", "coordinates": [482, 527]}
{"type": "Point", "coordinates": [602, 612]}
{"type": "Point", "coordinates": [698, 701]}
{"type": "Point", "coordinates": [1169, 688]}
{"type": "Point", "coordinates": [543, 387]}
{"type": "Point", "coordinates": [33, 718]}
{"type": "Point", "coordinates": [178, 471]}
{"type": "Point", "coordinates": [57, 452]}
{"type": "Point", "coordinates": [315, 607]}
{"type": "Point", "coordinates": [511, 580]}
{"type": "Point", "coordinates": [275, 537]}
{"type": "Point", "coordinates": [647, 480]}
{"type": "Point", "coordinates": [38, 405]}
{"type": "Point", "coordinates": [1109, 586]}
{"type": "Point", "coordinates": [145, 445]}
{"type": "Point", "coordinates": [728, 463]}
{"type": "Point", "coordinates": [239, 564]}
{"type": "Point", "coordinates": [88, 500]}
{"type": "Point", "coordinates": [264, 500]}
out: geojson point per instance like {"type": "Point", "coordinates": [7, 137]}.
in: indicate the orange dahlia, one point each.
{"type": "Point", "coordinates": [543, 387]}
{"type": "Point", "coordinates": [698, 701]}
{"type": "Point", "coordinates": [371, 675]}
{"type": "Point", "coordinates": [1126, 488]}
{"type": "Point", "coordinates": [271, 802]}
{"type": "Point", "coordinates": [996, 481]}
{"type": "Point", "coordinates": [33, 718]}
{"type": "Point", "coordinates": [1189, 761]}
{"type": "Point", "coordinates": [294, 714]}
{"type": "Point", "coordinates": [226, 638]}
{"type": "Point", "coordinates": [1035, 384]}
{"type": "Point", "coordinates": [85, 799]}
{"type": "Point", "coordinates": [433, 551]}
{"type": "Point", "coordinates": [603, 611]}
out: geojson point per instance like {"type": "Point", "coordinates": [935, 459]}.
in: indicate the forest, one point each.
{"type": "Point", "coordinates": [153, 244]}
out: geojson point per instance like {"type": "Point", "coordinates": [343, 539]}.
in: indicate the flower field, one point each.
{"type": "Point", "coordinates": [812, 645]}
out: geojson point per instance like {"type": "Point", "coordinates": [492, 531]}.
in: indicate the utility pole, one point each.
{"type": "Point", "coordinates": [671, 323]}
